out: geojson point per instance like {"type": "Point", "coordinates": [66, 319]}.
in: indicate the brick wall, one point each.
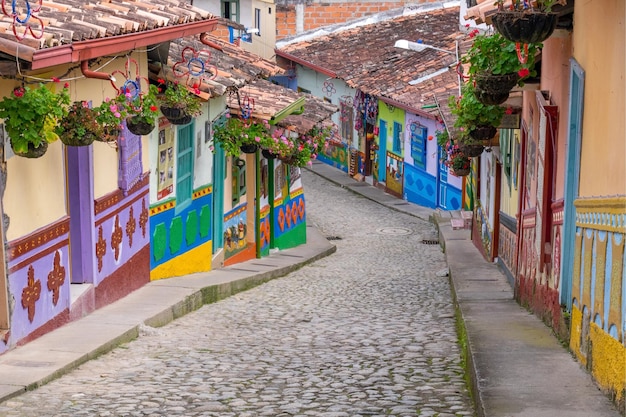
{"type": "Point", "coordinates": [319, 14]}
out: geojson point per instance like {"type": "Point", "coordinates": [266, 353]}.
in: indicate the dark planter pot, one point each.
{"type": "Point", "coordinates": [524, 27]}
{"type": "Point", "coordinates": [461, 172]}
{"type": "Point", "coordinates": [483, 133]}
{"type": "Point", "coordinates": [73, 140]}
{"type": "Point", "coordinates": [472, 151]}
{"type": "Point", "coordinates": [175, 115]}
{"type": "Point", "coordinates": [496, 84]}
{"type": "Point", "coordinates": [33, 152]}
{"type": "Point", "coordinates": [289, 160]}
{"type": "Point", "coordinates": [139, 127]}
{"type": "Point", "coordinates": [490, 99]}
{"type": "Point", "coordinates": [249, 148]}
{"type": "Point", "coordinates": [267, 154]}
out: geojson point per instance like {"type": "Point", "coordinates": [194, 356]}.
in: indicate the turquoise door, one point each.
{"type": "Point", "coordinates": [382, 151]}
{"type": "Point", "coordinates": [572, 172]}
{"type": "Point", "coordinates": [219, 176]}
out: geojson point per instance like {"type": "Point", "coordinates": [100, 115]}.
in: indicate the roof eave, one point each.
{"type": "Point", "coordinates": [306, 63]}
{"type": "Point", "coordinates": [95, 48]}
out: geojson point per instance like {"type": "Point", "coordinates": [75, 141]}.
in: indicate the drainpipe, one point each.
{"type": "Point", "coordinates": [84, 67]}
{"type": "Point", "coordinates": [210, 43]}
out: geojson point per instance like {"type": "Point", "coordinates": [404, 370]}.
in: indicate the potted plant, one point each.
{"type": "Point", "coordinates": [238, 135]}
{"type": "Point", "coordinates": [495, 67]}
{"type": "Point", "coordinates": [142, 109]}
{"type": "Point", "coordinates": [278, 144]}
{"type": "Point", "coordinates": [31, 116]}
{"type": "Point", "coordinates": [110, 114]}
{"type": "Point", "coordinates": [474, 118]}
{"type": "Point", "coordinates": [79, 127]}
{"type": "Point", "coordinates": [521, 22]}
{"type": "Point", "coordinates": [306, 147]}
{"type": "Point", "coordinates": [458, 162]}
{"type": "Point", "coordinates": [178, 104]}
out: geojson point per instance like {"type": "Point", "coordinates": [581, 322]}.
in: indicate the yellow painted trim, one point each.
{"type": "Point", "coordinates": [608, 365]}
{"type": "Point", "coordinates": [191, 262]}
{"type": "Point", "coordinates": [296, 193]}
{"type": "Point", "coordinates": [160, 208]}
{"type": "Point", "coordinates": [201, 192]}
{"type": "Point", "coordinates": [575, 334]}
{"type": "Point", "coordinates": [601, 213]}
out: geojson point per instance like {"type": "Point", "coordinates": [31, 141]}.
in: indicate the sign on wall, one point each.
{"type": "Point", "coordinates": [165, 163]}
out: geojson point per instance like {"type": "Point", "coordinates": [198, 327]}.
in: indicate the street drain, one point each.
{"type": "Point", "coordinates": [396, 231]}
{"type": "Point", "coordinates": [430, 241]}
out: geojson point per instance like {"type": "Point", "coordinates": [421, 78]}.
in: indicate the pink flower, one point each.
{"type": "Point", "coordinates": [258, 139]}
{"type": "Point", "coordinates": [18, 92]}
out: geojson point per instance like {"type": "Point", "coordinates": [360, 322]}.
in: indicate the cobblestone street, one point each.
{"type": "Point", "coordinates": [367, 331]}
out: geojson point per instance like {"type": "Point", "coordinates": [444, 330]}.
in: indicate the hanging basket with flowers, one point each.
{"type": "Point", "coordinates": [478, 120]}
{"type": "Point", "coordinates": [458, 162]}
{"type": "Point", "coordinates": [305, 148]}
{"type": "Point", "coordinates": [79, 127]}
{"type": "Point", "coordinates": [111, 114]}
{"type": "Point", "coordinates": [178, 104]}
{"type": "Point", "coordinates": [521, 22]}
{"type": "Point", "coordinates": [142, 109]}
{"type": "Point", "coordinates": [495, 67]}
{"type": "Point", "coordinates": [31, 116]}
{"type": "Point", "coordinates": [238, 135]}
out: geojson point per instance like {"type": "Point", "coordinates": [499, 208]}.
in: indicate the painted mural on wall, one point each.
{"type": "Point", "coordinates": [335, 154]}
{"type": "Point", "coordinates": [395, 174]}
{"type": "Point", "coordinates": [235, 231]}
{"type": "Point", "coordinates": [165, 162]}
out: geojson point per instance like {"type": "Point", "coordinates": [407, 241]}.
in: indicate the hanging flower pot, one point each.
{"type": "Point", "coordinates": [268, 154]}
{"type": "Point", "coordinates": [79, 127]}
{"type": "Point", "coordinates": [249, 147]}
{"type": "Point", "coordinates": [461, 172]}
{"type": "Point", "coordinates": [176, 115]}
{"type": "Point", "coordinates": [496, 83]}
{"type": "Point", "coordinates": [483, 132]}
{"type": "Point", "coordinates": [490, 99]}
{"type": "Point", "coordinates": [138, 126]}
{"type": "Point", "coordinates": [472, 150]}
{"type": "Point", "coordinates": [32, 151]}
{"type": "Point", "coordinates": [524, 26]}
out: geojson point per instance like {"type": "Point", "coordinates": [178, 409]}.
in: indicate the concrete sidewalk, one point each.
{"type": "Point", "coordinates": [516, 365]}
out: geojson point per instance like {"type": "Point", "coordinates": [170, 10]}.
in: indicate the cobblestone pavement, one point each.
{"type": "Point", "coordinates": [368, 331]}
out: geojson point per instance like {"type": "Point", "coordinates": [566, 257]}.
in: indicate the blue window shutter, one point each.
{"type": "Point", "coordinates": [418, 145]}
{"type": "Point", "coordinates": [397, 138]}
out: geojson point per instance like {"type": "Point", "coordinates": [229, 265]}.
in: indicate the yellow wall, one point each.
{"type": "Point", "coordinates": [35, 189]}
{"type": "Point", "coordinates": [598, 45]}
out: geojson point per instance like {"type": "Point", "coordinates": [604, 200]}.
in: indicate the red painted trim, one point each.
{"type": "Point", "coordinates": [116, 196]}
{"type": "Point", "coordinates": [305, 63]}
{"type": "Point", "coordinates": [29, 261]}
{"type": "Point", "coordinates": [95, 48]}
{"type": "Point", "coordinates": [21, 246]}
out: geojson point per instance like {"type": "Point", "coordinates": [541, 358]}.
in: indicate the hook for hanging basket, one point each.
{"type": "Point", "coordinates": [522, 56]}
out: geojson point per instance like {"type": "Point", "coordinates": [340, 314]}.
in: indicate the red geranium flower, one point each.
{"type": "Point", "coordinates": [524, 72]}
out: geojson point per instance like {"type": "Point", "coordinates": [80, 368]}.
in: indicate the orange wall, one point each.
{"type": "Point", "coordinates": [598, 46]}
{"type": "Point", "coordinates": [555, 69]}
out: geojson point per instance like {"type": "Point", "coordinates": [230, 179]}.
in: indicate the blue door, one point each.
{"type": "Point", "coordinates": [572, 172]}
{"type": "Point", "coordinates": [382, 151]}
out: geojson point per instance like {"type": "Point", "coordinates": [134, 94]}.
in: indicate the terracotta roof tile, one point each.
{"type": "Point", "coordinates": [366, 59]}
